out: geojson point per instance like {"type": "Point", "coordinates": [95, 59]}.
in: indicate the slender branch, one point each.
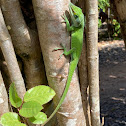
{"type": "Point", "coordinates": [10, 58]}
{"type": "Point", "coordinates": [26, 43]}
{"type": "Point", "coordinates": [92, 58]}
{"type": "Point", "coordinates": [83, 71]}
{"type": "Point", "coordinates": [83, 75]}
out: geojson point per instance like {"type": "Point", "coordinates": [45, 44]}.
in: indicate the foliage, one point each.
{"type": "Point", "coordinates": [117, 30]}
{"type": "Point", "coordinates": [39, 118]}
{"type": "Point", "coordinates": [30, 107]}
{"type": "Point", "coordinates": [11, 119]}
{"type": "Point", "coordinates": [102, 4]}
{"type": "Point", "coordinates": [99, 23]}
{"type": "Point", "coordinates": [13, 96]}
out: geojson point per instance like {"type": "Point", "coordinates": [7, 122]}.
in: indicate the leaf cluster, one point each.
{"type": "Point", "coordinates": [102, 4]}
{"type": "Point", "coordinates": [29, 108]}
{"type": "Point", "coordinates": [117, 30]}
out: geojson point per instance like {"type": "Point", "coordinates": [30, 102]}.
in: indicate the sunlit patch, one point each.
{"type": "Point", "coordinates": [1, 100]}
{"type": "Point", "coordinates": [122, 89]}
{"type": "Point", "coordinates": [112, 76]}
{"type": "Point", "coordinates": [118, 99]}
{"type": "Point", "coordinates": [116, 62]}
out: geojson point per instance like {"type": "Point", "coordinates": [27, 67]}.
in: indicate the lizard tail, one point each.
{"type": "Point", "coordinates": [73, 65]}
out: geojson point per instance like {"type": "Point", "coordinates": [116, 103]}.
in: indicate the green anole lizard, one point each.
{"type": "Point", "coordinates": [76, 29]}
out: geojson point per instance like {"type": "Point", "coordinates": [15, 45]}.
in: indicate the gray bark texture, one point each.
{"type": "Point", "coordinates": [83, 71]}
{"type": "Point", "coordinates": [92, 58]}
{"type": "Point", "coordinates": [83, 75]}
{"type": "Point", "coordinates": [5, 74]}
{"type": "Point", "coordinates": [26, 43]}
{"type": "Point", "coordinates": [3, 98]}
{"type": "Point", "coordinates": [119, 9]}
{"type": "Point", "coordinates": [10, 58]}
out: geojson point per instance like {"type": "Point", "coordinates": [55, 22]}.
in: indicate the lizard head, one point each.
{"type": "Point", "coordinates": [76, 15]}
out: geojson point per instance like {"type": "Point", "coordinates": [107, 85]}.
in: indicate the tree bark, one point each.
{"type": "Point", "coordinates": [26, 43]}
{"type": "Point", "coordinates": [52, 32]}
{"type": "Point", "coordinates": [83, 71]}
{"type": "Point", "coordinates": [5, 74]}
{"type": "Point", "coordinates": [83, 75]}
{"type": "Point", "coordinates": [10, 58]}
{"type": "Point", "coordinates": [3, 97]}
{"type": "Point", "coordinates": [119, 8]}
{"type": "Point", "coordinates": [92, 57]}
{"type": "Point", "coordinates": [74, 1]}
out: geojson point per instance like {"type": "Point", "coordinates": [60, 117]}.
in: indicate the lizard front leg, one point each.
{"type": "Point", "coordinates": [66, 53]}
{"type": "Point", "coordinates": [69, 28]}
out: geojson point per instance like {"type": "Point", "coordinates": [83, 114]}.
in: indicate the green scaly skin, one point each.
{"type": "Point", "coordinates": [76, 29]}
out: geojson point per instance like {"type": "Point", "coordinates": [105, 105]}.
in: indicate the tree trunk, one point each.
{"type": "Point", "coordinates": [26, 43]}
{"type": "Point", "coordinates": [83, 75]}
{"type": "Point", "coordinates": [83, 71]}
{"type": "Point", "coordinates": [119, 8]}
{"type": "Point", "coordinates": [31, 43]}
{"type": "Point", "coordinates": [52, 32]}
{"type": "Point", "coordinates": [10, 58]}
{"type": "Point", "coordinates": [92, 57]}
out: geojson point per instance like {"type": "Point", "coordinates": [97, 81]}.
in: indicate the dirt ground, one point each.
{"type": "Point", "coordinates": [112, 58]}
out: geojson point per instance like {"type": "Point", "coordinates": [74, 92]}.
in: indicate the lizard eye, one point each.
{"type": "Point", "coordinates": [75, 16]}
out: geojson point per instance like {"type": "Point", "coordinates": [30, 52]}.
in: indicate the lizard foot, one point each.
{"type": "Point", "coordinates": [57, 49]}
{"type": "Point", "coordinates": [65, 18]}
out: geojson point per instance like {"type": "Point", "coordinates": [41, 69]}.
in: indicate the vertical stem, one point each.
{"type": "Point", "coordinates": [10, 58]}
{"type": "Point", "coordinates": [83, 76]}
{"type": "Point", "coordinates": [92, 57]}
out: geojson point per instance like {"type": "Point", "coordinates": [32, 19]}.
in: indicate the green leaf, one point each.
{"type": "Point", "coordinates": [11, 119]}
{"type": "Point", "coordinates": [41, 94]}
{"type": "Point", "coordinates": [13, 96]}
{"type": "Point", "coordinates": [39, 118]}
{"type": "Point", "coordinates": [30, 109]}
